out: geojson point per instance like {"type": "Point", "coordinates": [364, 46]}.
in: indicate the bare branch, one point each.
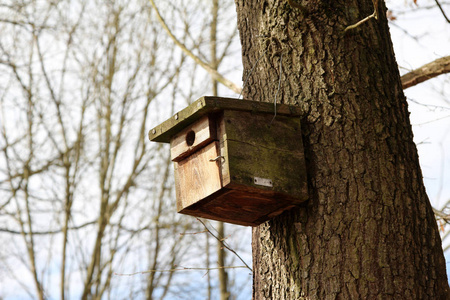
{"type": "Point", "coordinates": [433, 69]}
{"type": "Point", "coordinates": [214, 74]}
{"type": "Point", "coordinates": [48, 231]}
{"type": "Point", "coordinates": [442, 11]}
{"type": "Point", "coordinates": [442, 216]}
{"type": "Point", "coordinates": [181, 269]}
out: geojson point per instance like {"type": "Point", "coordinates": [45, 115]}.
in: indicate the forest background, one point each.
{"type": "Point", "coordinates": [87, 202]}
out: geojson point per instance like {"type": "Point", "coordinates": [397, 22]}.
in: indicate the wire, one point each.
{"type": "Point", "coordinates": [279, 85]}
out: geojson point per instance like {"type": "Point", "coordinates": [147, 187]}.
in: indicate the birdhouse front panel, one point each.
{"type": "Point", "coordinates": [235, 161]}
{"type": "Point", "coordinates": [187, 141]}
{"type": "Point", "coordinates": [195, 151]}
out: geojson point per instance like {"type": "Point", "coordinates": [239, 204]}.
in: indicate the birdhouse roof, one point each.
{"type": "Point", "coordinates": [205, 105]}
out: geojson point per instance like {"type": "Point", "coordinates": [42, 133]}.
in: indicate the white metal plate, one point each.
{"type": "Point", "coordinates": [263, 181]}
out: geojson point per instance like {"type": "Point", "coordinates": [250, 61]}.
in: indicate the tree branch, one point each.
{"type": "Point", "coordinates": [214, 74]}
{"type": "Point", "coordinates": [442, 215]}
{"type": "Point", "coordinates": [433, 69]}
{"type": "Point", "coordinates": [48, 232]}
{"type": "Point", "coordinates": [442, 11]}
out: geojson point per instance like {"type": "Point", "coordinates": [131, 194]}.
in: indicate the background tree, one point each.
{"type": "Point", "coordinates": [368, 229]}
{"type": "Point", "coordinates": [85, 198]}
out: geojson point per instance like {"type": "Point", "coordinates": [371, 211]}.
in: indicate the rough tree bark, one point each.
{"type": "Point", "coordinates": [368, 230]}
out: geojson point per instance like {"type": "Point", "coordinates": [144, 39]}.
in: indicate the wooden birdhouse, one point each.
{"type": "Point", "coordinates": [235, 162]}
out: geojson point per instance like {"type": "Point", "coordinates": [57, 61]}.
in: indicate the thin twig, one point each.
{"type": "Point", "coordinates": [360, 22]}
{"type": "Point", "coordinates": [374, 15]}
{"type": "Point", "coordinates": [441, 214]}
{"type": "Point", "coordinates": [214, 74]}
{"type": "Point", "coordinates": [193, 233]}
{"type": "Point", "coordinates": [224, 244]}
{"type": "Point", "coordinates": [442, 11]}
{"type": "Point", "coordinates": [179, 269]}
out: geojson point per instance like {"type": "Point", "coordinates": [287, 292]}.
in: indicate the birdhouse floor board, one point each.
{"type": "Point", "coordinates": [240, 207]}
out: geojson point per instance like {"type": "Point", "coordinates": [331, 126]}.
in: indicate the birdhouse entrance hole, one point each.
{"type": "Point", "coordinates": [190, 138]}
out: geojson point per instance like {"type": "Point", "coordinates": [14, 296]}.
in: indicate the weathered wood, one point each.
{"type": "Point", "coordinates": [258, 146]}
{"type": "Point", "coordinates": [192, 138]}
{"type": "Point", "coordinates": [235, 161]}
{"type": "Point", "coordinates": [249, 207]}
{"type": "Point", "coordinates": [247, 162]}
{"type": "Point", "coordinates": [197, 177]}
{"type": "Point", "coordinates": [165, 131]}
{"type": "Point", "coordinates": [222, 136]}
{"type": "Point", "coordinates": [263, 130]}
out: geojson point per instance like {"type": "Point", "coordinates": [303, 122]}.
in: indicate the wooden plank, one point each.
{"type": "Point", "coordinates": [192, 138]}
{"type": "Point", "coordinates": [249, 208]}
{"type": "Point", "coordinates": [219, 103]}
{"type": "Point", "coordinates": [282, 132]}
{"type": "Point", "coordinates": [197, 177]}
{"type": "Point", "coordinates": [222, 136]}
{"type": "Point", "coordinates": [166, 130]}
{"type": "Point", "coordinates": [261, 149]}
{"type": "Point", "coordinates": [285, 170]}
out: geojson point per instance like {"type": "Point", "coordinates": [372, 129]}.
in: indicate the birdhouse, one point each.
{"type": "Point", "coordinates": [235, 160]}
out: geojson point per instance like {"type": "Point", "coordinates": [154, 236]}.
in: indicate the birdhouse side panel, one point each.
{"type": "Point", "coordinates": [252, 166]}
{"type": "Point", "coordinates": [263, 152]}
{"type": "Point", "coordinates": [265, 130]}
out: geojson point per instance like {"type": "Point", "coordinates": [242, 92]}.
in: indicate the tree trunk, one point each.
{"type": "Point", "coordinates": [367, 230]}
